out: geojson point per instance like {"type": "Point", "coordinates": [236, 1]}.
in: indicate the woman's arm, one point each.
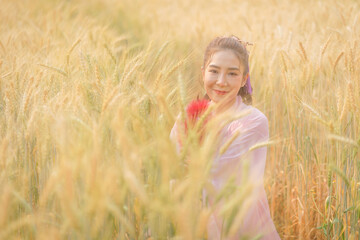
{"type": "Point", "coordinates": [253, 130]}
{"type": "Point", "coordinates": [175, 134]}
{"type": "Point", "coordinates": [246, 163]}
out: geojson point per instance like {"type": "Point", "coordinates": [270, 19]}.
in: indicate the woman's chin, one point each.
{"type": "Point", "coordinates": [221, 98]}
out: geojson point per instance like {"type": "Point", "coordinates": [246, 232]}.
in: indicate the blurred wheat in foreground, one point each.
{"type": "Point", "coordinates": [89, 91]}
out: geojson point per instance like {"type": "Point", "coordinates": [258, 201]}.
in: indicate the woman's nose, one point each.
{"type": "Point", "coordinates": [221, 81]}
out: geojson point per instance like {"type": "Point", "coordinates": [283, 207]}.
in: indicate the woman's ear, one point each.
{"type": "Point", "coordinates": [202, 72]}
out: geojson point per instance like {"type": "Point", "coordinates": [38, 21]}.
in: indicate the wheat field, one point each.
{"type": "Point", "coordinates": [89, 91]}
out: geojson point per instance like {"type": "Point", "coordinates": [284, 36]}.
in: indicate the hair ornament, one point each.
{"type": "Point", "coordinates": [244, 43]}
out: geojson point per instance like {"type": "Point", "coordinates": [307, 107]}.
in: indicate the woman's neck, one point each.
{"type": "Point", "coordinates": [224, 107]}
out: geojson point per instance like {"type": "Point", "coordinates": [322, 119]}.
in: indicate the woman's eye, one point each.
{"type": "Point", "coordinates": [233, 74]}
{"type": "Point", "coordinates": [212, 71]}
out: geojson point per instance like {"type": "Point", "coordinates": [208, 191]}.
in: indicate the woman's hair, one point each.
{"type": "Point", "coordinates": [239, 48]}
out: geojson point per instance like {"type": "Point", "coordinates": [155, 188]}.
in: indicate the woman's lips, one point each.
{"type": "Point", "coordinates": [220, 92]}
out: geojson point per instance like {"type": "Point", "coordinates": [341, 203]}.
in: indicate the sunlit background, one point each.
{"type": "Point", "coordinates": [89, 91]}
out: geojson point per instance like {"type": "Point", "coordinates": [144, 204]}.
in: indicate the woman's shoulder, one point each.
{"type": "Point", "coordinates": [254, 121]}
{"type": "Point", "coordinates": [258, 116]}
{"type": "Point", "coordinates": [253, 114]}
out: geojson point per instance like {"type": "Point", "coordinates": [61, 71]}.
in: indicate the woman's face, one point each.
{"type": "Point", "coordinates": [223, 77]}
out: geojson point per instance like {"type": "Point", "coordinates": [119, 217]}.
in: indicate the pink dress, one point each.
{"type": "Point", "coordinates": [255, 217]}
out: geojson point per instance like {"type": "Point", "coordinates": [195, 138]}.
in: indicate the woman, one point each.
{"type": "Point", "coordinates": [225, 73]}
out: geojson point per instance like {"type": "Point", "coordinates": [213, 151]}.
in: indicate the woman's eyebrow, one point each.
{"type": "Point", "coordinates": [234, 68]}
{"type": "Point", "coordinates": [231, 69]}
{"type": "Point", "coordinates": [213, 66]}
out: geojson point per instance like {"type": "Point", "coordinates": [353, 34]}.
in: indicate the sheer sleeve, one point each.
{"type": "Point", "coordinates": [253, 130]}
{"type": "Point", "coordinates": [245, 160]}
{"type": "Point", "coordinates": [175, 136]}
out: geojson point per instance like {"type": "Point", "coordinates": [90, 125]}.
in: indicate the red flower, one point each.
{"type": "Point", "coordinates": [194, 111]}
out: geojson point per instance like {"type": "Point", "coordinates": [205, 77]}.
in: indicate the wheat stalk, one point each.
{"type": "Point", "coordinates": [110, 53]}
{"type": "Point", "coordinates": [337, 61]}
{"type": "Point", "coordinates": [303, 52]}
{"type": "Point", "coordinates": [157, 56]}
{"type": "Point", "coordinates": [69, 53]}
{"type": "Point", "coordinates": [62, 72]}
{"type": "Point", "coordinates": [284, 65]}
{"type": "Point", "coordinates": [345, 107]}
{"type": "Point", "coordinates": [351, 100]}
{"type": "Point", "coordinates": [339, 99]}
{"type": "Point", "coordinates": [323, 49]}
{"type": "Point", "coordinates": [229, 142]}
{"type": "Point", "coordinates": [343, 139]}
{"type": "Point", "coordinates": [340, 173]}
